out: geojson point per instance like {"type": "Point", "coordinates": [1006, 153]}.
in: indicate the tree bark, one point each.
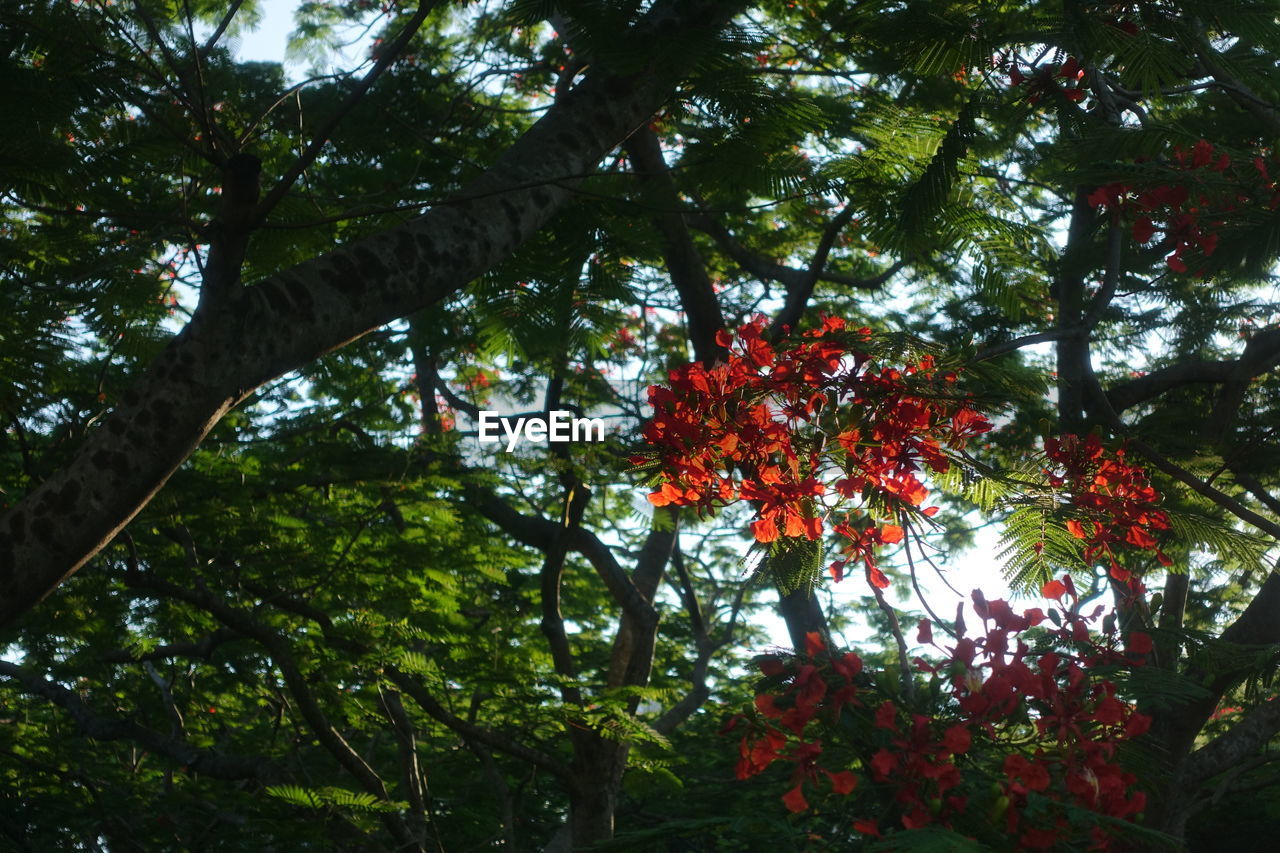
{"type": "Point", "coordinates": [264, 331]}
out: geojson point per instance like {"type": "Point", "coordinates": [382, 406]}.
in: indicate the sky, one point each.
{"type": "Point", "coordinates": [268, 42]}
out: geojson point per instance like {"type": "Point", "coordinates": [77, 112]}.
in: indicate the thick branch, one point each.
{"type": "Point", "coordinates": [1260, 355]}
{"type": "Point", "coordinates": [1074, 367]}
{"type": "Point", "coordinates": [1258, 625]}
{"type": "Point", "coordinates": [1262, 110]}
{"type": "Point", "coordinates": [1233, 747]}
{"type": "Point", "coordinates": [289, 319]}
{"type": "Point", "coordinates": [688, 273]}
{"type": "Point", "coordinates": [1130, 393]}
{"type": "Point", "coordinates": [632, 655]}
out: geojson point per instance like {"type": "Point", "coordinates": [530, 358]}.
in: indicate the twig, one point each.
{"type": "Point", "coordinates": [904, 665]}
{"type": "Point", "coordinates": [321, 137]}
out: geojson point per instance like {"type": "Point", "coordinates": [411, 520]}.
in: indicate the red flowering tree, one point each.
{"type": "Point", "coordinates": [1012, 736]}
{"type": "Point", "coordinates": [817, 435]}
{"type": "Point", "coordinates": [249, 316]}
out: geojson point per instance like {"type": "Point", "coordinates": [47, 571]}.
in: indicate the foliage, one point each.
{"type": "Point", "coordinates": [337, 621]}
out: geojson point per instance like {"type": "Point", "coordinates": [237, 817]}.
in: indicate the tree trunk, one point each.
{"type": "Point", "coordinates": [595, 799]}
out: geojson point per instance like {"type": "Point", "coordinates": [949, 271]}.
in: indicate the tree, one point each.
{"type": "Point", "coordinates": [322, 556]}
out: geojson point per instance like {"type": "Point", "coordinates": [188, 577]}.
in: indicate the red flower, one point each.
{"type": "Point", "coordinates": [887, 716]}
{"type": "Point", "coordinates": [883, 763]}
{"type": "Point", "coordinates": [957, 739]}
{"type": "Point", "coordinates": [1139, 643]}
{"type": "Point", "coordinates": [794, 800]}
{"type": "Point", "coordinates": [1053, 589]}
{"type": "Point", "coordinates": [764, 530]}
{"type": "Point", "coordinates": [867, 827]}
{"type": "Point", "coordinates": [877, 578]}
{"type": "Point", "coordinates": [843, 782]}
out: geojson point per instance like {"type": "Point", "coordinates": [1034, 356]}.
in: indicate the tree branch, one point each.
{"type": "Point", "coordinates": [204, 761]}
{"type": "Point", "coordinates": [768, 270]}
{"type": "Point", "coordinates": [202, 648]}
{"type": "Point", "coordinates": [1260, 355]}
{"type": "Point", "coordinates": [632, 657]}
{"type": "Point", "coordinates": [323, 730]}
{"type": "Point", "coordinates": [538, 533]}
{"type": "Point", "coordinates": [552, 622]}
{"type": "Point", "coordinates": [428, 703]}
{"type": "Point", "coordinates": [1262, 110]}
{"type": "Point", "coordinates": [292, 317]}
{"type": "Point", "coordinates": [1231, 748]}
{"type": "Point", "coordinates": [799, 292]}
{"type": "Point", "coordinates": [321, 137]}
{"type": "Point", "coordinates": [688, 273]}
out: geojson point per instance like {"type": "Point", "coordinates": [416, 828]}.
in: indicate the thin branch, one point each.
{"type": "Point", "coordinates": [411, 775]}
{"type": "Point", "coordinates": [699, 692]}
{"type": "Point", "coordinates": [987, 353]}
{"type": "Point", "coordinates": [297, 683]}
{"type": "Point", "coordinates": [1111, 274]}
{"type": "Point", "coordinates": [538, 532]}
{"type": "Point", "coordinates": [768, 270]}
{"type": "Point", "coordinates": [202, 648]}
{"type": "Point", "coordinates": [432, 707]}
{"type": "Point", "coordinates": [321, 137]}
{"type": "Point", "coordinates": [552, 622]}
{"type": "Point", "coordinates": [904, 663]}
{"type": "Point", "coordinates": [1203, 489]}
{"type": "Point", "coordinates": [166, 693]}
{"type": "Point", "coordinates": [203, 761]}
{"type": "Point", "coordinates": [799, 292]}
{"type": "Point", "coordinates": [222, 26]}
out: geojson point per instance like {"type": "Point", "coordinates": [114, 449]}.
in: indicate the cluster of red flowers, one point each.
{"type": "Point", "coordinates": [1114, 494]}
{"type": "Point", "coordinates": [1064, 79]}
{"type": "Point", "coordinates": [1040, 721]}
{"type": "Point", "coordinates": [813, 682]}
{"type": "Point", "coordinates": [1191, 210]}
{"type": "Point", "coordinates": [752, 427]}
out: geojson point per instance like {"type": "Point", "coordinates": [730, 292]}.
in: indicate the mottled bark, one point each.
{"type": "Point", "coordinates": [284, 322]}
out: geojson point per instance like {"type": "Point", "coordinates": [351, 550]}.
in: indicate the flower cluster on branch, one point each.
{"type": "Point", "coordinates": [1116, 502]}
{"type": "Point", "coordinates": [1017, 737]}
{"type": "Point", "coordinates": [814, 433]}
{"type": "Point", "coordinates": [1193, 206]}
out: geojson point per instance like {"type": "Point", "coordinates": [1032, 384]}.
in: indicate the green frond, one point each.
{"type": "Point", "coordinates": [1036, 547]}
{"type": "Point", "coordinates": [329, 796]}
{"type": "Point", "coordinates": [1236, 549]}
{"type": "Point", "coordinates": [795, 564]}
